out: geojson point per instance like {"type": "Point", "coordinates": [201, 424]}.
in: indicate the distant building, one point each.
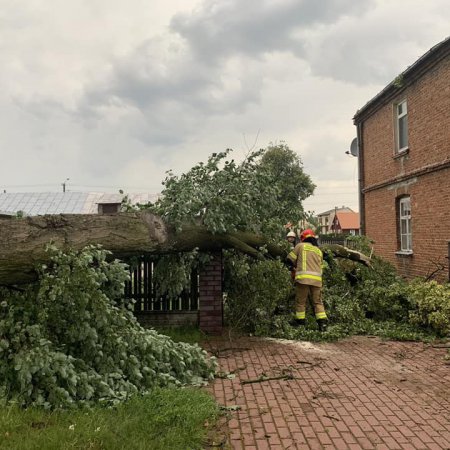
{"type": "Point", "coordinates": [345, 222]}
{"type": "Point", "coordinates": [41, 203]}
{"type": "Point", "coordinates": [326, 218]}
{"type": "Point", "coordinates": [404, 167]}
{"type": "Point", "coordinates": [6, 214]}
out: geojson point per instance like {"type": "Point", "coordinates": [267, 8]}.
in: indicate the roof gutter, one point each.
{"type": "Point", "coordinates": [436, 54]}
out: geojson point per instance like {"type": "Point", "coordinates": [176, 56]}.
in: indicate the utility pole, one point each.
{"type": "Point", "coordinates": [64, 184]}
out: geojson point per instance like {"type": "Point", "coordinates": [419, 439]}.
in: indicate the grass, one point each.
{"type": "Point", "coordinates": [189, 334]}
{"type": "Point", "coordinates": [167, 419]}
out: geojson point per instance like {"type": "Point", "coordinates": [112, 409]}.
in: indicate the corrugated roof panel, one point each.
{"type": "Point", "coordinates": [40, 203]}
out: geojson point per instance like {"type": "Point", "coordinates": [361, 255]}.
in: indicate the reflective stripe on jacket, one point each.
{"type": "Point", "coordinates": [308, 260]}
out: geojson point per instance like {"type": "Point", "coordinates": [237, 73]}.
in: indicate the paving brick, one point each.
{"type": "Point", "coordinates": [381, 431]}
{"type": "Point", "coordinates": [406, 431]}
{"type": "Point", "coordinates": [348, 438]}
{"type": "Point", "coordinates": [308, 432]}
{"type": "Point", "coordinates": [340, 444]}
{"type": "Point", "coordinates": [314, 444]}
{"type": "Point", "coordinates": [354, 412]}
{"type": "Point", "coordinates": [284, 433]}
{"type": "Point", "coordinates": [391, 443]}
{"type": "Point", "coordinates": [365, 443]}
{"type": "Point", "coordinates": [324, 439]}
{"type": "Point", "coordinates": [399, 437]}
{"type": "Point", "coordinates": [262, 444]}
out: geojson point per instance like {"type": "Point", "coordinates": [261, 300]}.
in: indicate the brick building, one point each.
{"type": "Point", "coordinates": [404, 167]}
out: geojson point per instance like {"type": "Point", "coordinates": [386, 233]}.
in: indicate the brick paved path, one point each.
{"type": "Point", "coordinates": [360, 393]}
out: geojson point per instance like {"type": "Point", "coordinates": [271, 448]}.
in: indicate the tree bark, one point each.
{"type": "Point", "coordinates": [23, 241]}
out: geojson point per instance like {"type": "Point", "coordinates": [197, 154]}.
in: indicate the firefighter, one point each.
{"type": "Point", "coordinates": [307, 258]}
{"type": "Point", "coordinates": [291, 238]}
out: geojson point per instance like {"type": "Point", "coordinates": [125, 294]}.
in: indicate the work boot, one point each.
{"type": "Point", "coordinates": [322, 323]}
{"type": "Point", "coordinates": [298, 322]}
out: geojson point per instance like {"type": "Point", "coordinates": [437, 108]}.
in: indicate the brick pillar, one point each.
{"type": "Point", "coordinates": [210, 296]}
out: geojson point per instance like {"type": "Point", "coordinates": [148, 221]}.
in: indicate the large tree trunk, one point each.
{"type": "Point", "coordinates": [23, 241]}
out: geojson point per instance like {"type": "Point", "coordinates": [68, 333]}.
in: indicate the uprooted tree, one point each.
{"type": "Point", "coordinates": [69, 338]}
{"type": "Point", "coordinates": [220, 204]}
{"type": "Point", "coordinates": [23, 242]}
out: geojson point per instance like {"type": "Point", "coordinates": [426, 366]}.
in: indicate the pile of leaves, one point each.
{"type": "Point", "coordinates": [259, 195]}
{"type": "Point", "coordinates": [358, 300]}
{"type": "Point", "coordinates": [70, 340]}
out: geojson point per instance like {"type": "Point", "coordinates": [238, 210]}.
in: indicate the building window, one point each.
{"type": "Point", "coordinates": [405, 224]}
{"type": "Point", "coordinates": [401, 126]}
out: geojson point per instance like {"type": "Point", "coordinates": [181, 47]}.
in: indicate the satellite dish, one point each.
{"type": "Point", "coordinates": [354, 150]}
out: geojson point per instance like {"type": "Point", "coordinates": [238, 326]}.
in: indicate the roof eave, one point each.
{"type": "Point", "coordinates": [406, 78]}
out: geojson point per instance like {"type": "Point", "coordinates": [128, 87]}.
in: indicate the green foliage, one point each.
{"type": "Point", "coordinates": [361, 244]}
{"type": "Point", "coordinates": [172, 272]}
{"type": "Point", "coordinates": [254, 290]}
{"type": "Point", "coordinates": [259, 194]}
{"type": "Point", "coordinates": [164, 419]}
{"type": "Point", "coordinates": [399, 81]}
{"type": "Point", "coordinates": [352, 291]}
{"type": "Point", "coordinates": [220, 194]}
{"type": "Point", "coordinates": [360, 300]}
{"type": "Point", "coordinates": [339, 330]}
{"type": "Point", "coordinates": [69, 340]}
{"type": "Point", "coordinates": [286, 171]}
{"type": "Point", "coordinates": [431, 303]}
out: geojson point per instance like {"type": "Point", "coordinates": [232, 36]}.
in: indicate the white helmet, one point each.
{"type": "Point", "coordinates": [291, 234]}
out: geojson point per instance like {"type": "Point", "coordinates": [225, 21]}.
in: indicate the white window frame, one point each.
{"type": "Point", "coordinates": [405, 218]}
{"type": "Point", "coordinates": [398, 118]}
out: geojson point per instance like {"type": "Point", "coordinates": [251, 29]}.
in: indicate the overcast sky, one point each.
{"type": "Point", "coordinates": [112, 93]}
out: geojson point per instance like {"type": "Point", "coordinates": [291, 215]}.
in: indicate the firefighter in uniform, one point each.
{"type": "Point", "coordinates": [307, 259]}
{"type": "Point", "coordinates": [291, 238]}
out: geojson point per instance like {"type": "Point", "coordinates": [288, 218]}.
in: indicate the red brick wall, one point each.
{"type": "Point", "coordinates": [430, 204]}
{"type": "Point", "coordinates": [210, 296]}
{"type": "Point", "coordinates": [428, 102]}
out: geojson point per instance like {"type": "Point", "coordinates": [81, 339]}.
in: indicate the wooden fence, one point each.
{"type": "Point", "coordinates": [142, 289]}
{"type": "Point", "coordinates": [333, 240]}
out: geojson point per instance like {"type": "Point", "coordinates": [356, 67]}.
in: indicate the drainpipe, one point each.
{"type": "Point", "coordinates": [448, 257]}
{"type": "Point", "coordinates": [362, 205]}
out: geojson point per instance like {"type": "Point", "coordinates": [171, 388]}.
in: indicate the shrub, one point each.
{"type": "Point", "coordinates": [254, 290]}
{"type": "Point", "coordinates": [431, 303]}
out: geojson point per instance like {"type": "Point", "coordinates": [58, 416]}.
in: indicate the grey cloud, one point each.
{"type": "Point", "coordinates": [221, 29]}
{"type": "Point", "coordinates": [216, 64]}
{"type": "Point", "coordinates": [378, 48]}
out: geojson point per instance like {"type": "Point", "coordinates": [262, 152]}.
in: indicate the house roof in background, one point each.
{"type": "Point", "coordinates": [6, 213]}
{"type": "Point", "coordinates": [41, 203]}
{"type": "Point", "coordinates": [326, 213]}
{"type": "Point", "coordinates": [348, 220]}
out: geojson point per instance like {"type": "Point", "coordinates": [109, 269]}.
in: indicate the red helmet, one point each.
{"type": "Point", "coordinates": [306, 234]}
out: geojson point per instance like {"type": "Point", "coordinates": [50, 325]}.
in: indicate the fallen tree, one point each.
{"type": "Point", "coordinates": [23, 241]}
